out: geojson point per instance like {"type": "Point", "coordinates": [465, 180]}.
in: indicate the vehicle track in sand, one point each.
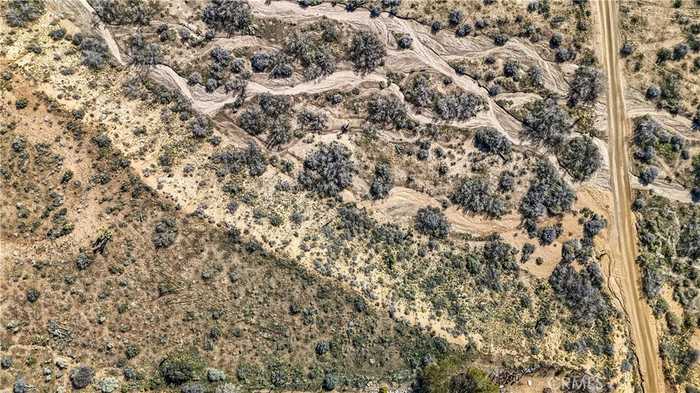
{"type": "Point", "coordinates": [623, 243]}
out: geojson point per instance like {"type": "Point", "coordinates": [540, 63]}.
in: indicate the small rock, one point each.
{"type": "Point", "coordinates": [227, 388]}
{"type": "Point", "coordinates": [81, 377]}
{"type": "Point", "coordinates": [108, 385]}
{"type": "Point", "coordinates": [20, 386]}
{"type": "Point", "coordinates": [215, 375]}
{"type": "Point", "coordinates": [191, 388]}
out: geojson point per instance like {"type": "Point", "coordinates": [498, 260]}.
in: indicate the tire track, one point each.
{"type": "Point", "coordinates": [641, 322]}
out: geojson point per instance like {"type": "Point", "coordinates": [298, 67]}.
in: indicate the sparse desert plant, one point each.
{"type": "Point", "coordinates": [20, 12]}
{"type": "Point", "coordinates": [455, 17]}
{"type": "Point", "coordinates": [164, 233]}
{"type": "Point", "coordinates": [506, 181]}
{"type": "Point", "coordinates": [580, 157]}
{"type": "Point", "coordinates": [366, 52]}
{"type": "Point", "coordinates": [405, 41]}
{"type": "Point", "coordinates": [382, 182]}
{"type": "Point", "coordinates": [94, 52]}
{"type": "Point", "coordinates": [327, 170]}
{"type": "Point", "coordinates": [535, 76]}
{"type": "Point", "coordinates": [526, 252]}
{"type": "Point", "coordinates": [463, 30]}
{"type": "Point", "coordinates": [511, 69]}
{"type": "Point", "coordinates": [432, 222]}
{"type": "Point", "coordinates": [261, 61]}
{"type": "Point", "coordinates": [696, 120]}
{"type": "Point", "coordinates": [179, 368]}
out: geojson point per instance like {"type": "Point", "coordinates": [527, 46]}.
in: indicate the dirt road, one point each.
{"type": "Point", "coordinates": [623, 243]}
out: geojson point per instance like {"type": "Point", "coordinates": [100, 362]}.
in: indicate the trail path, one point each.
{"type": "Point", "coordinates": [642, 323]}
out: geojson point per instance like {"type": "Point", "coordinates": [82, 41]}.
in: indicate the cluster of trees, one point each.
{"type": "Point", "coordinates": [459, 106]}
{"type": "Point", "coordinates": [454, 106]}
{"type": "Point", "coordinates": [580, 157]}
{"type": "Point", "coordinates": [354, 221]}
{"type": "Point", "coordinates": [547, 123]}
{"type": "Point", "coordinates": [548, 193]}
{"type": "Point", "coordinates": [234, 160]}
{"type": "Point", "coordinates": [230, 16]}
{"type": "Point", "coordinates": [366, 52]}
{"type": "Point", "coordinates": [648, 137]}
{"type": "Point", "coordinates": [327, 170]}
{"type": "Point", "coordinates": [314, 55]}
{"type": "Point", "coordinates": [432, 222]}
{"type": "Point", "coordinates": [575, 249]}
{"type": "Point", "coordinates": [497, 257]}
{"type": "Point", "coordinates": [668, 95]}
{"type": "Point", "coordinates": [450, 376]}
{"type": "Point", "coordinates": [593, 224]}
{"type": "Point", "coordinates": [419, 91]}
{"type": "Point", "coordinates": [490, 140]}
{"type": "Point", "coordinates": [272, 116]}
{"type": "Point", "coordinates": [201, 126]}
{"type": "Point", "coordinates": [689, 240]}
{"type": "Point", "coordinates": [142, 52]}
{"type": "Point", "coordinates": [586, 86]}
{"type": "Point", "coordinates": [312, 121]}
{"type": "Point", "coordinates": [219, 73]}
{"type": "Point", "coordinates": [652, 277]}
{"type": "Point", "coordinates": [382, 182]}
{"type": "Point", "coordinates": [475, 195]}
{"type": "Point", "coordinates": [581, 291]}
{"type": "Point", "coordinates": [20, 12]}
{"type": "Point", "coordinates": [126, 12]}
{"type": "Point", "coordinates": [384, 109]}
